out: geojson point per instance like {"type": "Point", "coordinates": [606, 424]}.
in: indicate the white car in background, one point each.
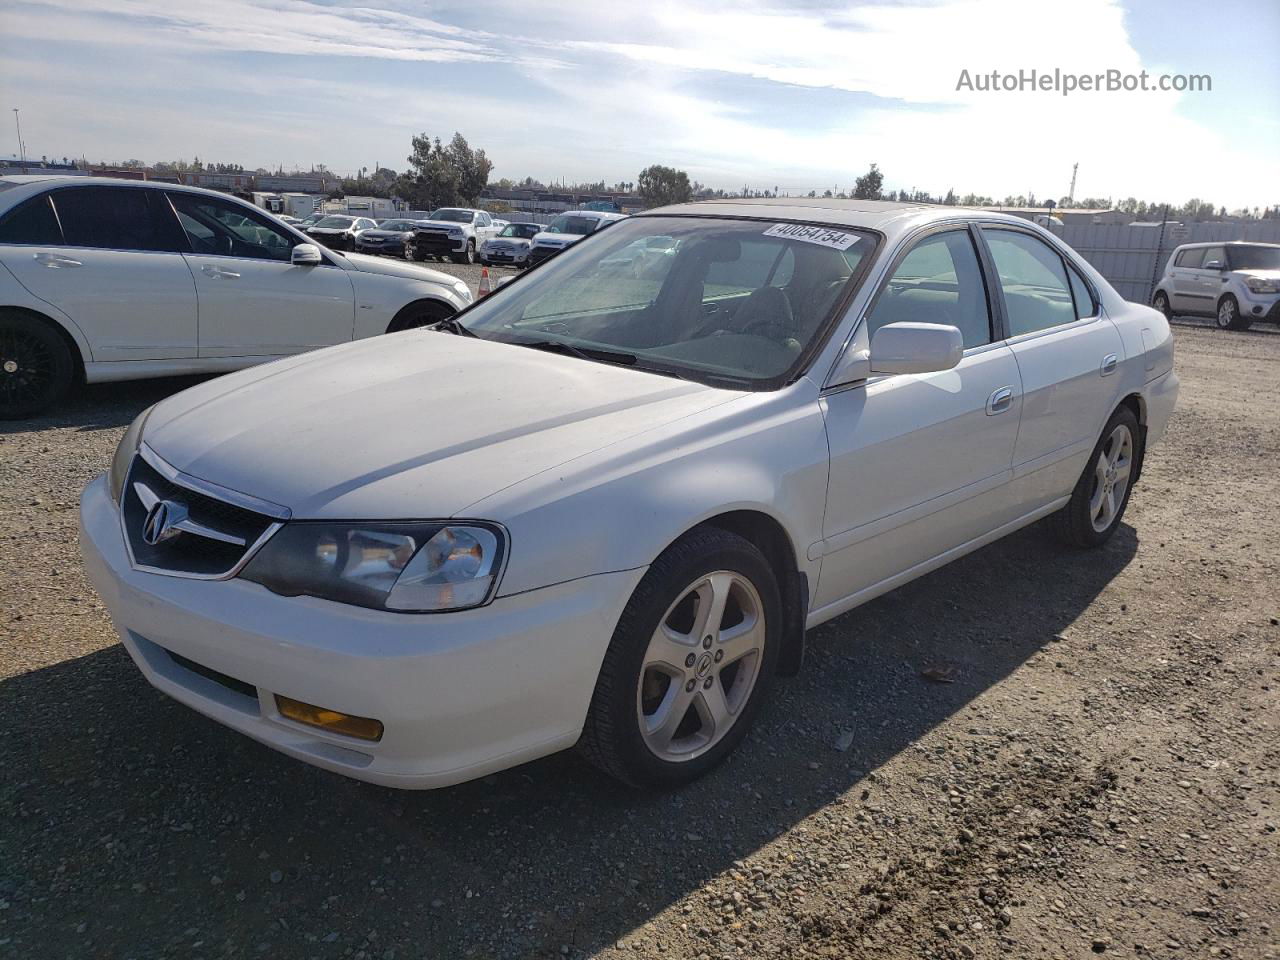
{"type": "Point", "coordinates": [453, 232]}
{"type": "Point", "coordinates": [339, 231]}
{"type": "Point", "coordinates": [566, 230]}
{"type": "Point", "coordinates": [603, 511]}
{"type": "Point", "coordinates": [1235, 283]}
{"type": "Point", "coordinates": [116, 280]}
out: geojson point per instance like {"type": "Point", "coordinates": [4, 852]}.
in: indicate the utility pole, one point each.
{"type": "Point", "coordinates": [1071, 194]}
{"type": "Point", "coordinates": [22, 147]}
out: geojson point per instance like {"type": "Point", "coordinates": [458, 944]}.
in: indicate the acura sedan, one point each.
{"type": "Point", "coordinates": [602, 510]}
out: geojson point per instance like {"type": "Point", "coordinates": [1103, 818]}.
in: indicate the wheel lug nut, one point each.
{"type": "Point", "coordinates": [688, 687]}
{"type": "Point", "coordinates": [706, 643]}
{"type": "Point", "coordinates": [706, 684]}
{"type": "Point", "coordinates": [688, 661]}
{"type": "Point", "coordinates": [719, 655]}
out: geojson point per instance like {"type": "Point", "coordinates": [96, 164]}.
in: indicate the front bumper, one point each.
{"type": "Point", "coordinates": [538, 254]}
{"type": "Point", "coordinates": [437, 245]}
{"type": "Point", "coordinates": [459, 695]}
{"type": "Point", "coordinates": [380, 246]}
{"type": "Point", "coordinates": [1260, 306]}
{"type": "Point", "coordinates": [513, 257]}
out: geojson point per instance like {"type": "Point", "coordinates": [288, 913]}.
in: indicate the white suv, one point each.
{"type": "Point", "coordinates": [115, 280]}
{"type": "Point", "coordinates": [566, 230]}
{"type": "Point", "coordinates": [1235, 283]}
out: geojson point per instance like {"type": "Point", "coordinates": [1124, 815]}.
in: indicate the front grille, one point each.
{"type": "Point", "coordinates": [538, 254]}
{"type": "Point", "coordinates": [431, 241]}
{"type": "Point", "coordinates": [195, 548]}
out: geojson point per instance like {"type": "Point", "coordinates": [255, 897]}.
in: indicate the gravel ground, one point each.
{"type": "Point", "coordinates": [1031, 753]}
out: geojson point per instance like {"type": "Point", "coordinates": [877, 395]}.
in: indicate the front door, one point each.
{"type": "Point", "coordinates": [104, 257]}
{"type": "Point", "coordinates": [920, 462]}
{"type": "Point", "coordinates": [253, 301]}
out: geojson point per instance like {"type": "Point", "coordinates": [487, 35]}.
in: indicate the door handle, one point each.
{"type": "Point", "coordinates": [1000, 401]}
{"type": "Point", "coordinates": [218, 273]}
{"type": "Point", "coordinates": [54, 261]}
{"type": "Point", "coordinates": [1109, 363]}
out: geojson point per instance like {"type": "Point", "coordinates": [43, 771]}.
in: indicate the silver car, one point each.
{"type": "Point", "coordinates": [1235, 283]}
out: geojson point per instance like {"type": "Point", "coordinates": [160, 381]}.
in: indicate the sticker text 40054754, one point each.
{"type": "Point", "coordinates": [823, 236]}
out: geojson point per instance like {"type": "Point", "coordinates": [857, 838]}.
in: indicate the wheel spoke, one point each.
{"type": "Point", "coordinates": [670, 650]}
{"type": "Point", "coordinates": [713, 594]}
{"type": "Point", "coordinates": [741, 639]}
{"type": "Point", "coordinates": [666, 720]}
{"type": "Point", "coordinates": [713, 709]}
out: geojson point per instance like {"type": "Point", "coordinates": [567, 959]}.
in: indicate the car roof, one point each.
{"type": "Point", "coordinates": [593, 214]}
{"type": "Point", "coordinates": [890, 217]}
{"type": "Point", "coordinates": [1226, 243]}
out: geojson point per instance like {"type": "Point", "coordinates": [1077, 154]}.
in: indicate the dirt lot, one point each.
{"type": "Point", "coordinates": [1046, 754]}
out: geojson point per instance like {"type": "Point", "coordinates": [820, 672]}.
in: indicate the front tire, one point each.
{"type": "Point", "coordinates": [420, 314]}
{"type": "Point", "coordinates": [690, 662]}
{"type": "Point", "coordinates": [1161, 302]}
{"type": "Point", "coordinates": [1101, 494]}
{"type": "Point", "coordinates": [36, 366]}
{"type": "Point", "coordinates": [1229, 316]}
{"type": "Point", "coordinates": [468, 256]}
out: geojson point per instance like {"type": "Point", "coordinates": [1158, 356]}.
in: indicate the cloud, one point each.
{"type": "Point", "coordinates": [799, 96]}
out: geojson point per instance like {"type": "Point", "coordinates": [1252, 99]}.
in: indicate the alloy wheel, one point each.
{"type": "Point", "coordinates": [701, 665]}
{"type": "Point", "coordinates": [1111, 478]}
{"type": "Point", "coordinates": [27, 368]}
{"type": "Point", "coordinates": [1226, 313]}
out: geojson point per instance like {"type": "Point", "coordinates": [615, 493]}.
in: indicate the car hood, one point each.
{"type": "Point", "coordinates": [328, 230]}
{"type": "Point", "coordinates": [384, 234]}
{"type": "Point", "coordinates": [367, 263]}
{"type": "Point", "coordinates": [513, 241]}
{"type": "Point", "coordinates": [413, 425]}
{"type": "Point", "coordinates": [437, 224]}
{"type": "Point", "coordinates": [556, 239]}
{"type": "Point", "coordinates": [1273, 275]}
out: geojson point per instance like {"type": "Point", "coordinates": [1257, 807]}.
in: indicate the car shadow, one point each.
{"type": "Point", "coordinates": [110, 788]}
{"type": "Point", "coordinates": [102, 406]}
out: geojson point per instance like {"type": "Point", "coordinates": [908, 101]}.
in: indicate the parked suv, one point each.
{"type": "Point", "coordinates": [566, 230]}
{"type": "Point", "coordinates": [453, 232]}
{"type": "Point", "coordinates": [1235, 283]}
{"type": "Point", "coordinates": [117, 280]}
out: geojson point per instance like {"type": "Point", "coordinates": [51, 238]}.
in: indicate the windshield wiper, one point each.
{"type": "Point", "coordinates": [582, 353]}
{"type": "Point", "coordinates": [450, 325]}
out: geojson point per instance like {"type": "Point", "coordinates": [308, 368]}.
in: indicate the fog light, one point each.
{"type": "Point", "coordinates": [360, 727]}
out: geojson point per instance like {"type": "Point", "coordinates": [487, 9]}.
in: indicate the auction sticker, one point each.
{"type": "Point", "coordinates": [823, 236]}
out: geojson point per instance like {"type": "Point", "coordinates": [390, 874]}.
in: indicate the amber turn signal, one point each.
{"type": "Point", "coordinates": [360, 727]}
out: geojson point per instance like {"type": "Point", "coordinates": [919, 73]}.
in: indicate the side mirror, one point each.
{"type": "Point", "coordinates": [915, 348]}
{"type": "Point", "coordinates": [1215, 265]}
{"type": "Point", "coordinates": [305, 255]}
{"type": "Point", "coordinates": [902, 348]}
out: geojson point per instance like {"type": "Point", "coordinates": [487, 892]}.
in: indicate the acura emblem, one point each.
{"type": "Point", "coordinates": [162, 521]}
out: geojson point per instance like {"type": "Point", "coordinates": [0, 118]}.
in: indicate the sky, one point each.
{"type": "Point", "coordinates": [800, 96]}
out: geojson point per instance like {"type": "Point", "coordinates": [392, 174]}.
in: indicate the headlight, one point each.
{"type": "Point", "coordinates": [1259, 285]}
{"type": "Point", "coordinates": [406, 567]}
{"type": "Point", "coordinates": [462, 290]}
{"type": "Point", "coordinates": [125, 451]}
{"type": "Point", "coordinates": [455, 231]}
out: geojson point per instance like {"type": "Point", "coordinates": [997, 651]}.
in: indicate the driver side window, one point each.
{"type": "Point", "coordinates": [219, 228]}
{"type": "Point", "coordinates": [938, 281]}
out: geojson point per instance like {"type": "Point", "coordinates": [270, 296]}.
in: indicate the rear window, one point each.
{"type": "Point", "coordinates": [117, 218]}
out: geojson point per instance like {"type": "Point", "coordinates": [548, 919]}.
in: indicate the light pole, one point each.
{"type": "Point", "coordinates": [22, 148]}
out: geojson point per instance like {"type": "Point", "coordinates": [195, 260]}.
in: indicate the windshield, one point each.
{"type": "Point", "coordinates": [567, 223]}
{"type": "Point", "coordinates": [335, 222]}
{"type": "Point", "coordinates": [524, 231]}
{"type": "Point", "coordinates": [720, 301]}
{"type": "Point", "coordinates": [396, 225]}
{"type": "Point", "coordinates": [1254, 258]}
{"type": "Point", "coordinates": [453, 216]}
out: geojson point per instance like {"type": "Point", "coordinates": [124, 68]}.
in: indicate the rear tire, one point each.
{"type": "Point", "coordinates": [1101, 494]}
{"type": "Point", "coordinates": [1229, 316]}
{"type": "Point", "coordinates": [36, 366]}
{"type": "Point", "coordinates": [677, 693]}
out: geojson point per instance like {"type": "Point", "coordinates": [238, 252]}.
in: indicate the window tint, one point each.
{"type": "Point", "coordinates": [1085, 306]}
{"type": "Point", "coordinates": [1037, 295]}
{"type": "Point", "coordinates": [218, 227]}
{"type": "Point", "coordinates": [31, 222]}
{"type": "Point", "coordinates": [1189, 258]}
{"type": "Point", "coordinates": [116, 218]}
{"type": "Point", "coordinates": [938, 281]}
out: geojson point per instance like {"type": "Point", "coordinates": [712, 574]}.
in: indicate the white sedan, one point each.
{"type": "Point", "coordinates": [603, 510]}
{"type": "Point", "coordinates": [116, 280]}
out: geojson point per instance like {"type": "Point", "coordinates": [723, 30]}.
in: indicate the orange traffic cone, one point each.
{"type": "Point", "coordinates": [485, 288]}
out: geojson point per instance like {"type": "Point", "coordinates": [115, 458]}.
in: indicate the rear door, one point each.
{"type": "Point", "coordinates": [253, 301]}
{"type": "Point", "coordinates": [1182, 294]}
{"type": "Point", "coordinates": [110, 259]}
{"type": "Point", "coordinates": [1067, 353]}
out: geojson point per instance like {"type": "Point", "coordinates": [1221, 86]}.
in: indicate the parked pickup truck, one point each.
{"type": "Point", "coordinates": [453, 232]}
